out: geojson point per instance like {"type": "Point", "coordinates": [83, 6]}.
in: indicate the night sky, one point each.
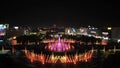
{"type": "Point", "coordinates": [60, 13]}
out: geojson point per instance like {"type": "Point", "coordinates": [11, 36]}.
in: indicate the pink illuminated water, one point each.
{"type": "Point", "coordinates": [59, 46]}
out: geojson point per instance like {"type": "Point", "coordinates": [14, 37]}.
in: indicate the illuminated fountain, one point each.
{"type": "Point", "coordinates": [59, 46]}
{"type": "Point", "coordinates": [42, 58]}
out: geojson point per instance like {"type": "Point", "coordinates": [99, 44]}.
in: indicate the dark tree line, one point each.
{"type": "Point", "coordinates": [25, 39]}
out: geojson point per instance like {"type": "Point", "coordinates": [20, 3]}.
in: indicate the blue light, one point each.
{"type": "Point", "coordinates": [1, 40]}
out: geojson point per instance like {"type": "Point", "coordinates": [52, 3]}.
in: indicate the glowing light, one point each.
{"type": "Point", "coordinates": [16, 27]}
{"type": "Point", "coordinates": [118, 40]}
{"type": "Point", "coordinates": [81, 30]}
{"type": "Point", "coordinates": [109, 28]}
{"type": "Point", "coordinates": [68, 31]}
{"type": "Point", "coordinates": [2, 33]}
{"type": "Point", "coordinates": [104, 42]}
{"type": "Point", "coordinates": [14, 37]}
{"type": "Point", "coordinates": [85, 57]}
{"type": "Point", "coordinates": [105, 33]}
{"type": "Point", "coordinates": [1, 40]}
{"type": "Point", "coordinates": [14, 42]}
{"type": "Point", "coordinates": [59, 45]}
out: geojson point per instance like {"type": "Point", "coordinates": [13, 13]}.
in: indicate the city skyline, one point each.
{"type": "Point", "coordinates": [59, 13]}
{"type": "Point", "coordinates": [84, 34]}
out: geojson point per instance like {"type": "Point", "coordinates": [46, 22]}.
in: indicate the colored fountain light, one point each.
{"type": "Point", "coordinates": [59, 46]}
{"type": "Point", "coordinates": [43, 58]}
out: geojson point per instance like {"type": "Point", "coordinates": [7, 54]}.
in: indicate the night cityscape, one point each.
{"type": "Point", "coordinates": [37, 34]}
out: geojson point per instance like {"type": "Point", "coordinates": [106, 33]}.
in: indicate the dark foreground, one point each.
{"type": "Point", "coordinates": [11, 61]}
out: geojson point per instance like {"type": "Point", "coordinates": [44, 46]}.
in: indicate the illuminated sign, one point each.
{"type": "Point", "coordinates": [2, 29]}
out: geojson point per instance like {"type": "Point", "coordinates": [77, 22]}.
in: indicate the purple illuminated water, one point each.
{"type": "Point", "coordinates": [59, 46]}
